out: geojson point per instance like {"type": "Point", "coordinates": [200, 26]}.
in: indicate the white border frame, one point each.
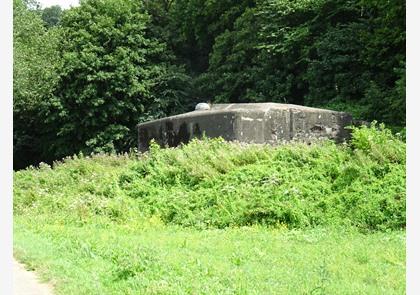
{"type": "Point", "coordinates": [413, 147]}
{"type": "Point", "coordinates": [6, 152]}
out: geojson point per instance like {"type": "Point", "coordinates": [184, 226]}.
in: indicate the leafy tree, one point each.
{"type": "Point", "coordinates": [233, 70]}
{"type": "Point", "coordinates": [114, 75]}
{"type": "Point", "coordinates": [385, 56]}
{"type": "Point", "coordinates": [51, 15]}
{"type": "Point", "coordinates": [35, 64]}
{"type": "Point", "coordinates": [344, 54]}
{"type": "Point", "coordinates": [195, 24]}
{"type": "Point", "coordinates": [32, 5]}
{"type": "Point", "coordinates": [260, 59]}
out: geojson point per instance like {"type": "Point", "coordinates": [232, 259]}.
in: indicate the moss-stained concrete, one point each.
{"type": "Point", "coordinates": [247, 122]}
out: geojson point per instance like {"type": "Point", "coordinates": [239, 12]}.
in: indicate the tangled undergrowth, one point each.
{"type": "Point", "coordinates": [211, 183]}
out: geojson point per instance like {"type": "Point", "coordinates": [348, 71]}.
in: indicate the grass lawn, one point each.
{"type": "Point", "coordinates": [153, 258]}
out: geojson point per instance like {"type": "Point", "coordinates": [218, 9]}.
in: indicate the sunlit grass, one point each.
{"type": "Point", "coordinates": [158, 259]}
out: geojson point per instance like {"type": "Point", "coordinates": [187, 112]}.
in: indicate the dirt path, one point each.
{"type": "Point", "coordinates": [27, 283]}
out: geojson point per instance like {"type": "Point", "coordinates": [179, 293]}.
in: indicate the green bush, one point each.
{"type": "Point", "coordinates": [213, 183]}
{"type": "Point", "coordinates": [379, 144]}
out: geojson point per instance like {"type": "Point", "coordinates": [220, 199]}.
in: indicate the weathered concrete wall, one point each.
{"type": "Point", "coordinates": [251, 123]}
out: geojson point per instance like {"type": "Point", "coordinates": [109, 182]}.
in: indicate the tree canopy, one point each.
{"type": "Point", "coordinates": [52, 15]}
{"type": "Point", "coordinates": [84, 77]}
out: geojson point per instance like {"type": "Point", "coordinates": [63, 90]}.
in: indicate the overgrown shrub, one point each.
{"type": "Point", "coordinates": [213, 183]}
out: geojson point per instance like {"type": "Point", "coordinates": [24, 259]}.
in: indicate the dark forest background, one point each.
{"type": "Point", "coordinates": [84, 77]}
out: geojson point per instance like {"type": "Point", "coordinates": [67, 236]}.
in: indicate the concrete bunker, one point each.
{"type": "Point", "coordinates": [270, 123]}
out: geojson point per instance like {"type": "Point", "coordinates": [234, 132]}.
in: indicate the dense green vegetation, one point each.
{"type": "Point", "coordinates": [320, 53]}
{"type": "Point", "coordinates": [35, 65]}
{"type": "Point", "coordinates": [84, 77]}
{"type": "Point", "coordinates": [213, 217]}
{"type": "Point", "coordinates": [210, 217]}
{"type": "Point", "coordinates": [212, 183]}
